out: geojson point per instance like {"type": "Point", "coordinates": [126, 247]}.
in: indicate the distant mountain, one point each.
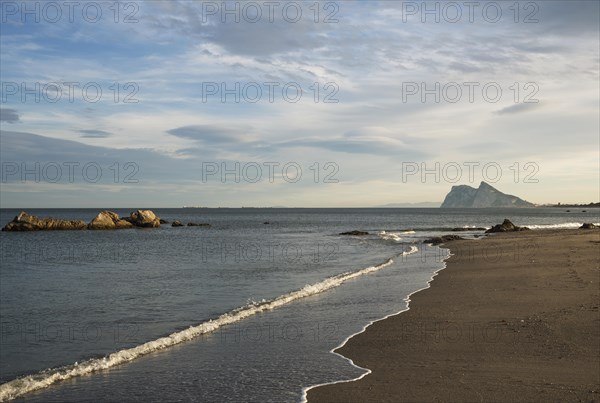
{"type": "Point", "coordinates": [464, 196]}
{"type": "Point", "coordinates": [411, 205]}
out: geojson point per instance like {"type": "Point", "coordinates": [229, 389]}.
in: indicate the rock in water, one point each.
{"type": "Point", "coordinates": [442, 239]}
{"type": "Point", "coordinates": [176, 223]}
{"type": "Point", "coordinates": [355, 233]}
{"type": "Point", "coordinates": [28, 222]}
{"type": "Point", "coordinates": [464, 196]}
{"type": "Point", "coordinates": [588, 225]}
{"type": "Point", "coordinates": [506, 226]}
{"type": "Point", "coordinates": [108, 220]}
{"type": "Point", "coordinates": [104, 220]}
{"type": "Point", "coordinates": [193, 224]}
{"type": "Point", "coordinates": [144, 218]}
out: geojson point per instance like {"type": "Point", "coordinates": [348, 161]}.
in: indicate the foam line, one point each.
{"type": "Point", "coordinates": [567, 225]}
{"type": "Point", "coordinates": [390, 236]}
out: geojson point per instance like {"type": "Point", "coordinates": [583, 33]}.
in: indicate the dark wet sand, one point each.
{"type": "Point", "coordinates": [513, 317]}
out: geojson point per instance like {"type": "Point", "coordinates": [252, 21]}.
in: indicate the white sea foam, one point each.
{"type": "Point", "coordinates": [566, 225]}
{"type": "Point", "coordinates": [390, 236]}
{"type": "Point", "coordinates": [20, 386]}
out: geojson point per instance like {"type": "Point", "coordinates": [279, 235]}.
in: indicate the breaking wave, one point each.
{"type": "Point", "coordinates": [567, 225]}
{"type": "Point", "coordinates": [390, 236]}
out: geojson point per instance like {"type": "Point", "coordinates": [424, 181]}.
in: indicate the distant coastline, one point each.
{"type": "Point", "coordinates": [589, 205]}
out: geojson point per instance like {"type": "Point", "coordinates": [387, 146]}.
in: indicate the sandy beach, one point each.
{"type": "Point", "coordinates": [513, 317]}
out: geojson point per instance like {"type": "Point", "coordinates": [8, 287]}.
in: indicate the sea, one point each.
{"type": "Point", "coordinates": [249, 309]}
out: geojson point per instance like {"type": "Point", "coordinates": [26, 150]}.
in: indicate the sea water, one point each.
{"type": "Point", "coordinates": [248, 309]}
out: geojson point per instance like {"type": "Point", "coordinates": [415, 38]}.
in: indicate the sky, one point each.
{"type": "Point", "coordinates": [298, 104]}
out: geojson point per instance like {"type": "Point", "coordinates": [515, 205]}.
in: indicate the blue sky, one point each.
{"type": "Point", "coordinates": [393, 102]}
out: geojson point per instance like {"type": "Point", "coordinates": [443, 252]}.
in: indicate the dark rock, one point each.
{"type": "Point", "coordinates": [506, 226]}
{"type": "Point", "coordinates": [357, 233]}
{"type": "Point", "coordinates": [442, 239]}
{"type": "Point", "coordinates": [193, 224]}
{"type": "Point", "coordinates": [266, 222]}
{"type": "Point", "coordinates": [467, 229]}
{"type": "Point", "coordinates": [28, 222]}
{"type": "Point", "coordinates": [108, 220]}
{"type": "Point", "coordinates": [163, 221]}
{"type": "Point", "coordinates": [176, 223]}
{"type": "Point", "coordinates": [588, 225]}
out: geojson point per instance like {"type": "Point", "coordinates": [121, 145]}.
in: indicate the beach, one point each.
{"type": "Point", "coordinates": [513, 317]}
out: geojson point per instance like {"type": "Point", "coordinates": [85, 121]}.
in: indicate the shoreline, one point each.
{"type": "Point", "coordinates": [305, 390]}
{"type": "Point", "coordinates": [524, 327]}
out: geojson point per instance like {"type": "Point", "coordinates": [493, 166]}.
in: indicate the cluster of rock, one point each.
{"type": "Point", "coordinates": [506, 226]}
{"type": "Point", "coordinates": [28, 222]}
{"type": "Point", "coordinates": [104, 220]}
{"type": "Point", "coordinates": [139, 218]}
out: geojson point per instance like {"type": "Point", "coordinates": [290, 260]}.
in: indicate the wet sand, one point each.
{"type": "Point", "coordinates": [513, 317]}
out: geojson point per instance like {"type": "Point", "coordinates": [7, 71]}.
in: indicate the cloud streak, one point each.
{"type": "Point", "coordinates": [95, 134]}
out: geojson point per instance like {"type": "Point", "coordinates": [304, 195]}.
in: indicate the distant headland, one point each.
{"type": "Point", "coordinates": [464, 196]}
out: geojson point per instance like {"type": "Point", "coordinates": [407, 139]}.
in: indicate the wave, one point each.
{"type": "Point", "coordinates": [29, 383]}
{"type": "Point", "coordinates": [389, 236]}
{"type": "Point", "coordinates": [567, 225]}
{"type": "Point", "coordinates": [448, 229]}
{"type": "Point", "coordinates": [475, 228]}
